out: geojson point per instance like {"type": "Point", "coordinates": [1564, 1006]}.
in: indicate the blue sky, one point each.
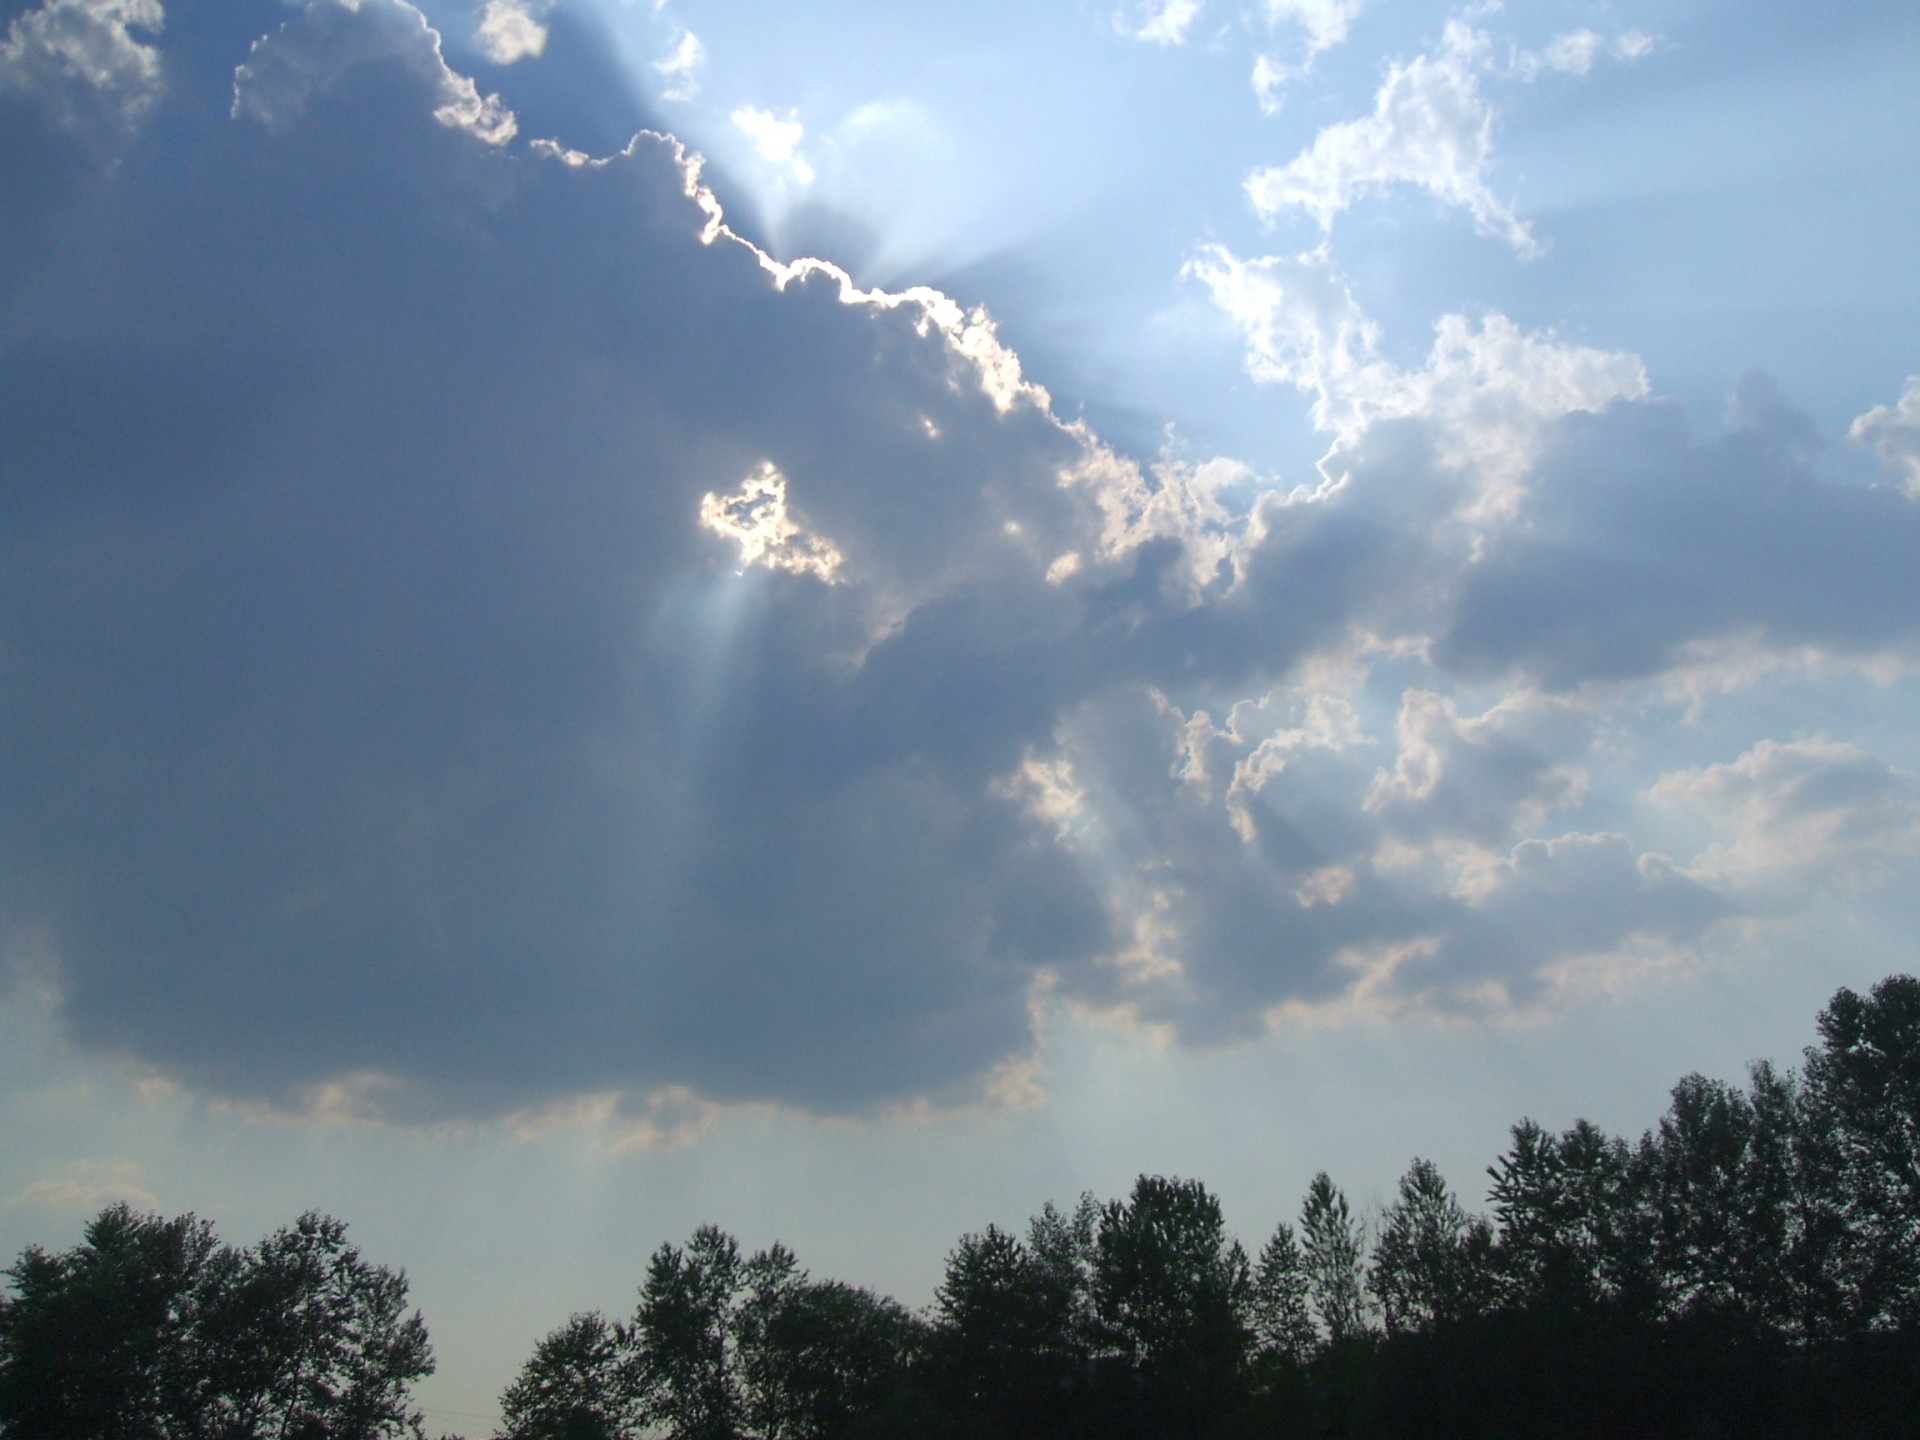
{"type": "Point", "coordinates": [844, 621]}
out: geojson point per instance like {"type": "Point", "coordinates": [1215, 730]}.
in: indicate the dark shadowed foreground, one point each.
{"type": "Point", "coordinates": [1751, 1267]}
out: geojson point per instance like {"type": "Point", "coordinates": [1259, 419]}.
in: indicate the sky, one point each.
{"type": "Point", "coordinates": [843, 620]}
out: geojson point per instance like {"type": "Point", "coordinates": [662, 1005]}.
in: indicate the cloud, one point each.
{"type": "Point", "coordinates": [85, 1187]}
{"type": "Point", "coordinates": [1572, 529]}
{"type": "Point", "coordinates": [1325, 23]}
{"type": "Point", "coordinates": [755, 517]}
{"type": "Point", "coordinates": [1489, 393]}
{"type": "Point", "coordinates": [777, 141]}
{"type": "Point", "coordinates": [1799, 814]}
{"type": "Point", "coordinates": [509, 32]}
{"type": "Point", "coordinates": [323, 44]}
{"type": "Point", "coordinates": [1431, 126]}
{"type": "Point", "coordinates": [1482, 777]}
{"type": "Point", "coordinates": [464, 769]}
{"type": "Point", "coordinates": [1269, 877]}
{"type": "Point", "coordinates": [682, 68]}
{"type": "Point", "coordinates": [1893, 433]}
{"type": "Point", "coordinates": [1641, 545]}
{"type": "Point", "coordinates": [1163, 22]}
{"type": "Point", "coordinates": [483, 639]}
{"type": "Point", "coordinates": [1576, 51]}
{"type": "Point", "coordinates": [81, 62]}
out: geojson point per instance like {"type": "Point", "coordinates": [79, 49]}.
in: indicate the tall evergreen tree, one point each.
{"type": "Point", "coordinates": [1862, 1120]}
{"type": "Point", "coordinates": [1333, 1250]}
{"type": "Point", "coordinates": [1282, 1307]}
{"type": "Point", "coordinates": [1433, 1261]}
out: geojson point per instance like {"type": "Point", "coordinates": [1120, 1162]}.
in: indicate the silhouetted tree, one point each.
{"type": "Point", "coordinates": [1571, 1233]}
{"type": "Point", "coordinates": [1862, 1117]}
{"type": "Point", "coordinates": [1751, 1266]}
{"type": "Point", "coordinates": [767, 1281]}
{"type": "Point", "coordinates": [1007, 1343]}
{"type": "Point", "coordinates": [1721, 1187]}
{"type": "Point", "coordinates": [1171, 1290]}
{"type": "Point", "coordinates": [152, 1330]}
{"type": "Point", "coordinates": [1792, 1232]}
{"type": "Point", "coordinates": [1333, 1249]}
{"type": "Point", "coordinates": [93, 1341]}
{"type": "Point", "coordinates": [683, 1330]}
{"type": "Point", "coordinates": [1433, 1261]}
{"type": "Point", "coordinates": [332, 1349]}
{"type": "Point", "coordinates": [827, 1359]}
{"type": "Point", "coordinates": [1282, 1305]}
{"type": "Point", "coordinates": [1062, 1247]}
{"type": "Point", "coordinates": [580, 1384]}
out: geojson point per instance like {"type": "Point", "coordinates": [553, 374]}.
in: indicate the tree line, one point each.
{"type": "Point", "coordinates": [1750, 1266]}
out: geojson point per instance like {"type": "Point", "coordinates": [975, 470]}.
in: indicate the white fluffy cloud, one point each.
{"type": "Point", "coordinates": [1162, 22]}
{"type": "Point", "coordinates": [81, 59]}
{"type": "Point", "coordinates": [509, 32]}
{"type": "Point", "coordinates": [1893, 433]}
{"type": "Point", "coordinates": [1431, 126]}
{"type": "Point", "coordinates": [1325, 23]}
{"type": "Point", "coordinates": [776, 141]}
{"type": "Point", "coordinates": [1798, 814]}
{"type": "Point", "coordinates": [1490, 392]}
{"type": "Point", "coordinates": [324, 43]}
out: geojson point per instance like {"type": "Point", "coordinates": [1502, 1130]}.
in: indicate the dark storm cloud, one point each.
{"type": "Point", "coordinates": [475, 632]}
{"type": "Point", "coordinates": [375, 702]}
{"type": "Point", "coordinates": [1639, 541]}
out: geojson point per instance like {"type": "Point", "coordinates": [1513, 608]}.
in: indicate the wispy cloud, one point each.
{"type": "Point", "coordinates": [1162, 22]}
{"type": "Point", "coordinates": [1323, 24]}
{"type": "Point", "coordinates": [1577, 51]}
{"type": "Point", "coordinates": [1431, 127]}
{"type": "Point", "coordinates": [83, 1187]}
{"type": "Point", "coordinates": [682, 67]}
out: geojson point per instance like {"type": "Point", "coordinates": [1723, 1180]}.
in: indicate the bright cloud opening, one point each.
{"type": "Point", "coordinates": [755, 517]}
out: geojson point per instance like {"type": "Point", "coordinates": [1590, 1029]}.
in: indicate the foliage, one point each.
{"type": "Point", "coordinates": [1862, 1125]}
{"type": "Point", "coordinates": [1432, 1264]}
{"type": "Point", "coordinates": [1171, 1294]}
{"type": "Point", "coordinates": [1751, 1265]}
{"type": "Point", "coordinates": [150, 1329]}
{"type": "Point", "coordinates": [1333, 1253]}
{"type": "Point", "coordinates": [1282, 1308]}
{"type": "Point", "coordinates": [579, 1385]}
